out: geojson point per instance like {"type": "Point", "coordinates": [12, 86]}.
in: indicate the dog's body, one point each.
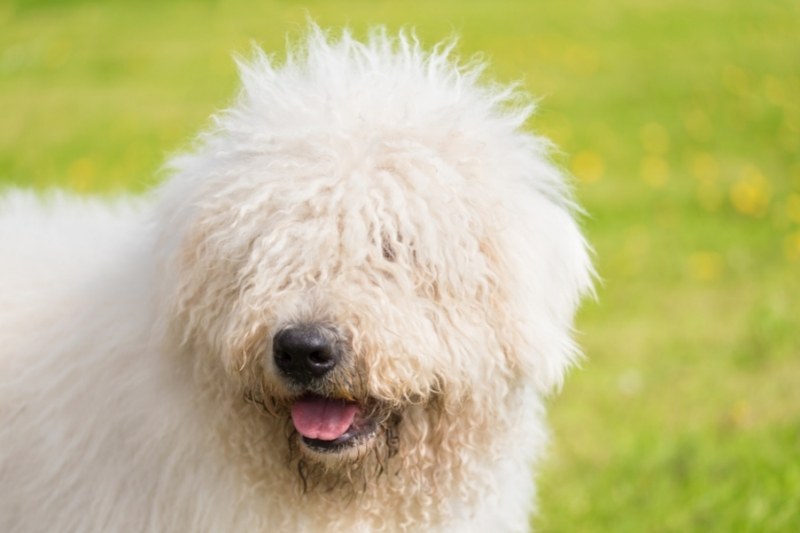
{"type": "Point", "coordinates": [341, 313]}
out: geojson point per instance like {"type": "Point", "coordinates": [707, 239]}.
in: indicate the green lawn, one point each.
{"type": "Point", "coordinates": [681, 122]}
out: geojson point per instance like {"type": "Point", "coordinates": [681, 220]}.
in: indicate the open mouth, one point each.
{"type": "Point", "coordinates": [330, 424]}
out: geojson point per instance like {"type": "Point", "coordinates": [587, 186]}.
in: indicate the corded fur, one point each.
{"type": "Point", "coordinates": [375, 186]}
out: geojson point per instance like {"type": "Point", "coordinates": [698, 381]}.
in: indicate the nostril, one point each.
{"type": "Point", "coordinates": [320, 361]}
{"type": "Point", "coordinates": [318, 358]}
{"type": "Point", "coordinates": [281, 356]}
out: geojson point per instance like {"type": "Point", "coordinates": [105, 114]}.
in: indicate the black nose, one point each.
{"type": "Point", "coordinates": [305, 352]}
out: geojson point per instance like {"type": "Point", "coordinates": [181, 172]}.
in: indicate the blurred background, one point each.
{"type": "Point", "coordinates": [680, 121]}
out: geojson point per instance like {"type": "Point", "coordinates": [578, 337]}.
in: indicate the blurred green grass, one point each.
{"type": "Point", "coordinates": [681, 123]}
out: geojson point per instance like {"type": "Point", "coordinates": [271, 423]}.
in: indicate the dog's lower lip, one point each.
{"type": "Point", "coordinates": [357, 433]}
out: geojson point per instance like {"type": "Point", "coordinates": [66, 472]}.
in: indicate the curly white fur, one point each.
{"type": "Point", "coordinates": [374, 186]}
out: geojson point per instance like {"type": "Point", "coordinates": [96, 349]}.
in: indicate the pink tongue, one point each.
{"type": "Point", "coordinates": [323, 418]}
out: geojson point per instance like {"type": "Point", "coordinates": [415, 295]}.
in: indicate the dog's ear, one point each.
{"type": "Point", "coordinates": [548, 262]}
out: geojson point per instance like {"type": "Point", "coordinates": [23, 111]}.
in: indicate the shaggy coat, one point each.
{"type": "Point", "coordinates": [386, 195]}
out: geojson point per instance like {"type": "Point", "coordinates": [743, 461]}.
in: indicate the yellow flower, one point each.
{"type": "Point", "coordinates": [655, 171]}
{"type": "Point", "coordinates": [80, 174]}
{"type": "Point", "coordinates": [741, 414]}
{"type": "Point", "coordinates": [705, 266]}
{"type": "Point", "coordinates": [588, 166]}
{"type": "Point", "coordinates": [704, 167]}
{"type": "Point", "coordinates": [750, 195]}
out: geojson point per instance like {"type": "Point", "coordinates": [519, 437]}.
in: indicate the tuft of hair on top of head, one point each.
{"type": "Point", "coordinates": [385, 62]}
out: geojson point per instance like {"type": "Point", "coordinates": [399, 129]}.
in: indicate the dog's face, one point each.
{"type": "Point", "coordinates": [346, 293]}
{"type": "Point", "coordinates": [374, 285]}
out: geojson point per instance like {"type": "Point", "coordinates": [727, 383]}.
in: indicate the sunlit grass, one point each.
{"type": "Point", "coordinates": [681, 124]}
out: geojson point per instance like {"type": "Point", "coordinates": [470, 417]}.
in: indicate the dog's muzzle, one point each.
{"type": "Point", "coordinates": [306, 356]}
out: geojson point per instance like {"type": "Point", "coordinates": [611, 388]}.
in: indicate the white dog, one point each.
{"type": "Point", "coordinates": [340, 312]}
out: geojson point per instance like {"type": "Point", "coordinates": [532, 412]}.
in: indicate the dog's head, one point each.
{"type": "Point", "coordinates": [372, 247]}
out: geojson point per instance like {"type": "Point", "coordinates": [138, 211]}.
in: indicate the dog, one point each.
{"type": "Point", "coordinates": [341, 311]}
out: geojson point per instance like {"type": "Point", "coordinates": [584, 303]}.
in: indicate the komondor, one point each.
{"type": "Point", "coordinates": [341, 311]}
